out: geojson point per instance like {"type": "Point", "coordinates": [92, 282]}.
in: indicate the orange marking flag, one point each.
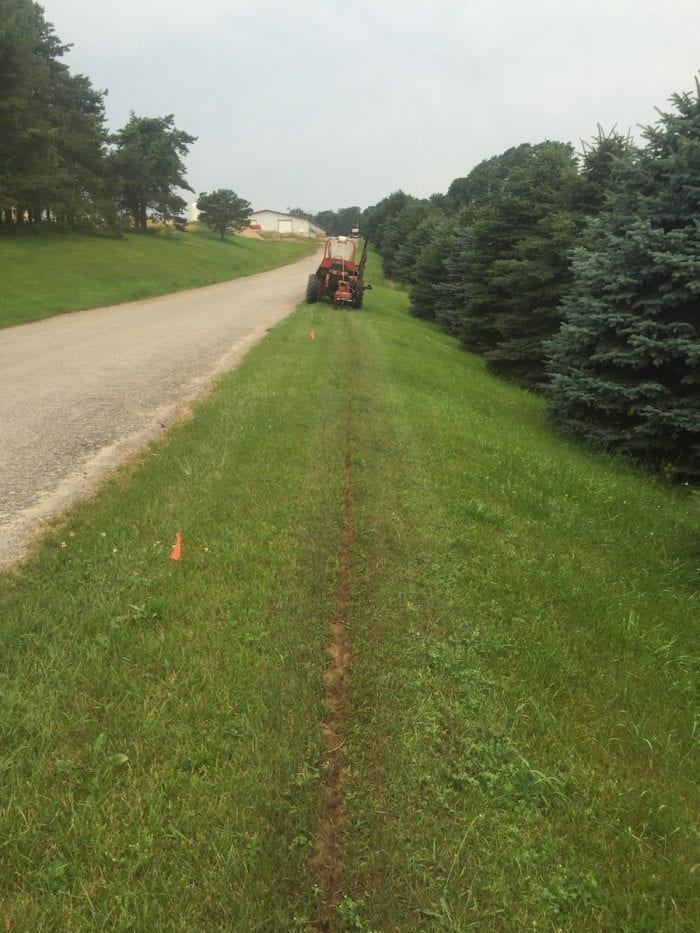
{"type": "Point", "coordinates": [312, 334]}
{"type": "Point", "coordinates": [175, 554]}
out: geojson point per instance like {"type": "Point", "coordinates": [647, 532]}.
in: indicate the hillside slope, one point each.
{"type": "Point", "coordinates": [50, 274]}
{"type": "Point", "coordinates": [504, 735]}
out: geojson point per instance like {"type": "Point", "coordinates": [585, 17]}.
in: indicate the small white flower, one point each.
{"type": "Point", "coordinates": [63, 544]}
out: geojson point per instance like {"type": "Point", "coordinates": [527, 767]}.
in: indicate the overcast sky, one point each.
{"type": "Point", "coordinates": [325, 104]}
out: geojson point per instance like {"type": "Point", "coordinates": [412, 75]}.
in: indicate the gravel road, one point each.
{"type": "Point", "coordinates": [81, 392]}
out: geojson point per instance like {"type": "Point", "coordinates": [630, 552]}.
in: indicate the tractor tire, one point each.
{"type": "Point", "coordinates": [313, 289]}
{"type": "Point", "coordinates": [357, 296]}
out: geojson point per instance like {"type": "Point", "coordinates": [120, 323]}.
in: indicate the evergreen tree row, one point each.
{"type": "Point", "coordinates": [58, 163]}
{"type": "Point", "coordinates": [575, 276]}
{"type": "Point", "coordinates": [625, 364]}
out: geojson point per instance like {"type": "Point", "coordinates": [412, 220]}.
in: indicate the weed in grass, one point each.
{"type": "Point", "coordinates": [350, 915]}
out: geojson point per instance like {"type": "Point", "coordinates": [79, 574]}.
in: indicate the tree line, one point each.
{"type": "Point", "coordinates": [58, 163]}
{"type": "Point", "coordinates": [577, 276]}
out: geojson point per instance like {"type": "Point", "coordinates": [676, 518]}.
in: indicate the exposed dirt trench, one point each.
{"type": "Point", "coordinates": [328, 862]}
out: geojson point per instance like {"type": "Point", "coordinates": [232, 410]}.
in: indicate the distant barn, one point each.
{"type": "Point", "coordinates": [276, 222]}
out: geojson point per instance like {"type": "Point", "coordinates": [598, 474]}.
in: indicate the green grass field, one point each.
{"type": "Point", "coordinates": [518, 732]}
{"type": "Point", "coordinates": [50, 274]}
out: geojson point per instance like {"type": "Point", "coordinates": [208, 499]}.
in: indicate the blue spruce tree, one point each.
{"type": "Point", "coordinates": [625, 366]}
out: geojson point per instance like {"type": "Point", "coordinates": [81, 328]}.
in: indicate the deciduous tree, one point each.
{"type": "Point", "coordinates": [223, 211]}
{"type": "Point", "coordinates": [340, 222]}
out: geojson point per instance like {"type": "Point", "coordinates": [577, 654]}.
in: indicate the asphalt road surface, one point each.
{"type": "Point", "coordinates": [81, 392]}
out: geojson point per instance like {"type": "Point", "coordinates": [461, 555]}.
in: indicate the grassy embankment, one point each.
{"type": "Point", "coordinates": [522, 624]}
{"type": "Point", "coordinates": [50, 274]}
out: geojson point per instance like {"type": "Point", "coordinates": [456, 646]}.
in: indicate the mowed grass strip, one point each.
{"type": "Point", "coordinates": [161, 721]}
{"type": "Point", "coordinates": [50, 274]}
{"type": "Point", "coordinates": [524, 640]}
{"type": "Point", "coordinates": [522, 627]}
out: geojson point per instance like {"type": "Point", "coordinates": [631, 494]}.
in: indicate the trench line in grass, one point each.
{"type": "Point", "coordinates": [327, 855]}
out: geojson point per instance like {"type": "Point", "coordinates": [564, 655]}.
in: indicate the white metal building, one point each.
{"type": "Point", "coordinates": [285, 224]}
